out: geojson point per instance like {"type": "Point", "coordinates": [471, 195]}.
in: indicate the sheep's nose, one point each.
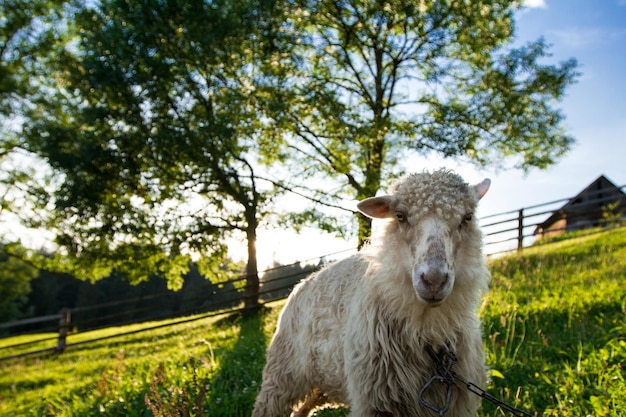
{"type": "Point", "coordinates": [434, 279]}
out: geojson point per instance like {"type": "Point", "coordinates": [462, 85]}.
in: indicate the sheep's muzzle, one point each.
{"type": "Point", "coordinates": [433, 279]}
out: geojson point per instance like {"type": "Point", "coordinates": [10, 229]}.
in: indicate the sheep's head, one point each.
{"type": "Point", "coordinates": [433, 214]}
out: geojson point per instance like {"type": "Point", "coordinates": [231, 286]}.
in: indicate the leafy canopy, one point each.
{"type": "Point", "coordinates": [158, 119]}
{"type": "Point", "coordinates": [154, 125]}
{"type": "Point", "coordinates": [373, 80]}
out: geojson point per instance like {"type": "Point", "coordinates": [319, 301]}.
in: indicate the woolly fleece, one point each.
{"type": "Point", "coordinates": [355, 333]}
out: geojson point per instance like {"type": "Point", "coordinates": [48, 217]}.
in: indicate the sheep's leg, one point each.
{"type": "Point", "coordinates": [315, 399]}
{"type": "Point", "coordinates": [271, 404]}
{"type": "Point", "coordinates": [280, 391]}
{"type": "Point", "coordinates": [283, 387]}
{"type": "Point", "coordinates": [275, 399]}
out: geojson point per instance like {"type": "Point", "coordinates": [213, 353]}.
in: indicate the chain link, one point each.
{"type": "Point", "coordinates": [444, 360]}
{"type": "Point", "coordinates": [495, 400]}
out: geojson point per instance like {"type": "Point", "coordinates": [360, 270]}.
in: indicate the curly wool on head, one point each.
{"type": "Point", "coordinates": [442, 192]}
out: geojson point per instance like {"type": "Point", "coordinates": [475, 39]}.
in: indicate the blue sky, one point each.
{"type": "Point", "coordinates": [593, 32]}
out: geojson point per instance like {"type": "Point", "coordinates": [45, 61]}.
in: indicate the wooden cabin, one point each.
{"type": "Point", "coordinates": [584, 211]}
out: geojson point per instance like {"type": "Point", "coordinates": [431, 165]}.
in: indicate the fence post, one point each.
{"type": "Point", "coordinates": [520, 230]}
{"type": "Point", "coordinates": [64, 326]}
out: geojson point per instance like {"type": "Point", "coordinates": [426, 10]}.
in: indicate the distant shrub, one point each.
{"type": "Point", "coordinates": [612, 216]}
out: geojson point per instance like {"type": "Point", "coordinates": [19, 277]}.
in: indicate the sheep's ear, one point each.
{"type": "Point", "coordinates": [376, 207]}
{"type": "Point", "coordinates": [481, 189]}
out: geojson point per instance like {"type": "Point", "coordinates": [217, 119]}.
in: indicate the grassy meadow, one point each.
{"type": "Point", "coordinates": [554, 332]}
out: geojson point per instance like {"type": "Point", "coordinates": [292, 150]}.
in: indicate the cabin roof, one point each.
{"type": "Point", "coordinates": [591, 199]}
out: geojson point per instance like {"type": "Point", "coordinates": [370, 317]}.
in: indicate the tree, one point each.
{"type": "Point", "coordinates": [376, 78]}
{"type": "Point", "coordinates": [154, 128]}
{"type": "Point", "coordinates": [15, 277]}
{"type": "Point", "coordinates": [23, 43]}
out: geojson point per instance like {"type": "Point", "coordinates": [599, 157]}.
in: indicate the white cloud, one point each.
{"type": "Point", "coordinates": [577, 38]}
{"type": "Point", "coordinates": [536, 4]}
{"type": "Point", "coordinates": [588, 37]}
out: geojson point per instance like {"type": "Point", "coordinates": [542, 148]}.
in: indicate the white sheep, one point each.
{"type": "Point", "coordinates": [357, 332]}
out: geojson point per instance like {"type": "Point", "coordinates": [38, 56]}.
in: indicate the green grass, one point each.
{"type": "Point", "coordinates": [555, 335]}
{"type": "Point", "coordinates": [555, 328]}
{"type": "Point", "coordinates": [112, 377]}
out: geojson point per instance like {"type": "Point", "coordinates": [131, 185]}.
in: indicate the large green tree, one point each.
{"type": "Point", "coordinates": [24, 42]}
{"type": "Point", "coordinates": [154, 129]}
{"type": "Point", "coordinates": [157, 117]}
{"type": "Point", "coordinates": [374, 79]}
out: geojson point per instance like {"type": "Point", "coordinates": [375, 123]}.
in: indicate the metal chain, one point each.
{"type": "Point", "coordinates": [444, 360]}
{"type": "Point", "coordinates": [475, 389]}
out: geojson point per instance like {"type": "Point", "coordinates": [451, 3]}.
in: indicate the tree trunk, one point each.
{"type": "Point", "coordinates": [251, 294]}
{"type": "Point", "coordinates": [365, 230]}
{"type": "Point", "coordinates": [375, 159]}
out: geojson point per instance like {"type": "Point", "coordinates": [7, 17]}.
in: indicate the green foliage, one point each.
{"type": "Point", "coordinates": [163, 402]}
{"type": "Point", "coordinates": [22, 43]}
{"type": "Point", "coordinates": [151, 121]}
{"type": "Point", "coordinates": [25, 38]}
{"type": "Point", "coordinates": [554, 329]}
{"type": "Point", "coordinates": [15, 278]}
{"type": "Point", "coordinates": [612, 216]}
{"type": "Point", "coordinates": [374, 79]}
{"type": "Point", "coordinates": [156, 122]}
{"type": "Point", "coordinates": [50, 292]}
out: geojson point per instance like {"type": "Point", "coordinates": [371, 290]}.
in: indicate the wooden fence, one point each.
{"type": "Point", "coordinates": [504, 232]}
{"type": "Point", "coordinates": [77, 323]}
{"type": "Point", "coordinates": [511, 231]}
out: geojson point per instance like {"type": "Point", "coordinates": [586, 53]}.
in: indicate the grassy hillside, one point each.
{"type": "Point", "coordinates": [555, 334]}
{"type": "Point", "coordinates": [555, 327]}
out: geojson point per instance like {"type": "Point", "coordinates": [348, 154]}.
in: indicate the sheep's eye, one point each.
{"type": "Point", "coordinates": [400, 216]}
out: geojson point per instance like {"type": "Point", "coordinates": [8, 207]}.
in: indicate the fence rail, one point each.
{"type": "Point", "coordinates": [504, 232]}
{"type": "Point", "coordinates": [514, 230]}
{"type": "Point", "coordinates": [275, 285]}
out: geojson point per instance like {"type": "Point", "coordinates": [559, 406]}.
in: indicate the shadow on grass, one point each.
{"type": "Point", "coordinates": [233, 388]}
{"type": "Point", "coordinates": [222, 382]}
